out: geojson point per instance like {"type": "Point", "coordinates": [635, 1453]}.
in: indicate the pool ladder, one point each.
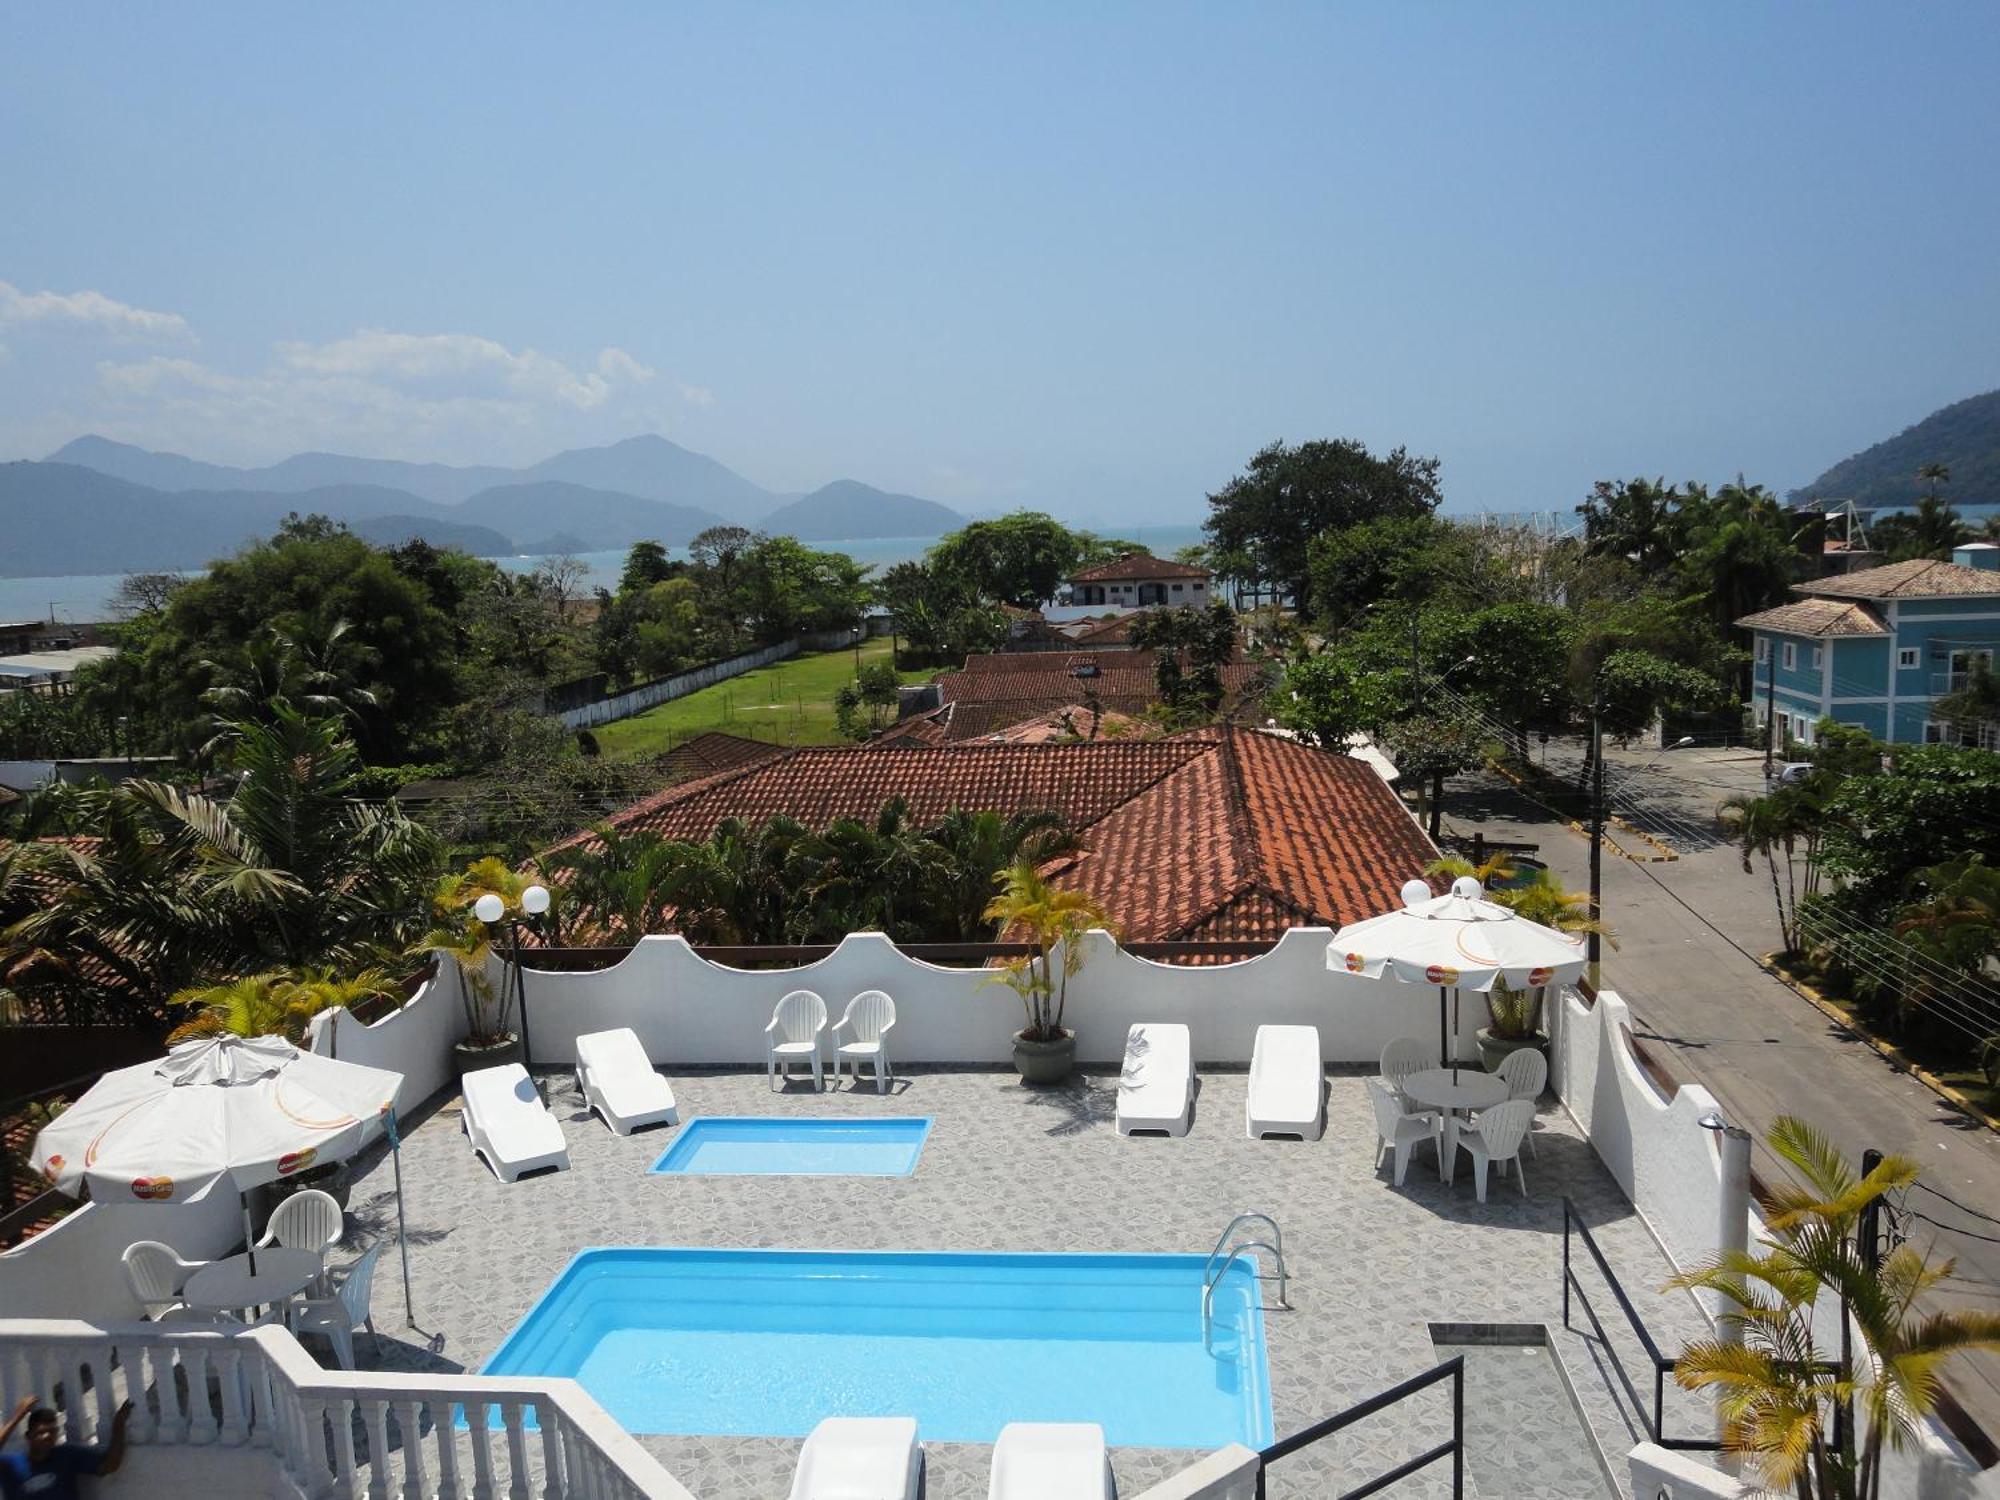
{"type": "Point", "coordinates": [1223, 1256]}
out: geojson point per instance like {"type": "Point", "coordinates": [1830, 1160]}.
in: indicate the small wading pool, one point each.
{"type": "Point", "coordinates": [764, 1343]}
{"type": "Point", "coordinates": [720, 1146]}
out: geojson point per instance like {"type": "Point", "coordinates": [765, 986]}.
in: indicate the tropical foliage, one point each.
{"type": "Point", "coordinates": [1777, 1387]}
{"type": "Point", "coordinates": [1030, 909]}
{"type": "Point", "coordinates": [780, 882]}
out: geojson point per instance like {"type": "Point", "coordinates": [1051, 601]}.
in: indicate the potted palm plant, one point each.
{"type": "Point", "coordinates": [458, 934]}
{"type": "Point", "coordinates": [1051, 919]}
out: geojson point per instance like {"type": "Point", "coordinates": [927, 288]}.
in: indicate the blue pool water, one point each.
{"type": "Point", "coordinates": [764, 1343]}
{"type": "Point", "coordinates": [797, 1148]}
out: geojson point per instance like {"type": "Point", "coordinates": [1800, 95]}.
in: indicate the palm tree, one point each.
{"type": "Point", "coordinates": [1934, 474]}
{"type": "Point", "coordinates": [1788, 819]}
{"type": "Point", "coordinates": [1776, 1389]}
{"type": "Point", "coordinates": [457, 934]}
{"type": "Point", "coordinates": [613, 884]}
{"type": "Point", "coordinates": [857, 876]}
{"type": "Point", "coordinates": [1047, 917]}
{"type": "Point", "coordinates": [977, 847]}
{"type": "Point", "coordinates": [312, 674]}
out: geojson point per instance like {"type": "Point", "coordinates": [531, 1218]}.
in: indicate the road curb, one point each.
{"type": "Point", "coordinates": [1887, 1051]}
{"type": "Point", "coordinates": [1520, 784]}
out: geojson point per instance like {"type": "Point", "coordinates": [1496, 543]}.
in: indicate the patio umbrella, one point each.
{"type": "Point", "coordinates": [1458, 941]}
{"type": "Point", "coordinates": [225, 1112]}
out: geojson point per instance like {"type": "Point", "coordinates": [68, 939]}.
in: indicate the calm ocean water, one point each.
{"type": "Point", "coordinates": [83, 598]}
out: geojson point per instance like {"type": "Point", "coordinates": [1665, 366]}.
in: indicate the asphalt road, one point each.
{"type": "Point", "coordinates": [1688, 933]}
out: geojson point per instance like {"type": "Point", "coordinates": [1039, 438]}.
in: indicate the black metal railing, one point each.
{"type": "Point", "coordinates": [1663, 1365]}
{"type": "Point", "coordinates": [1452, 1369]}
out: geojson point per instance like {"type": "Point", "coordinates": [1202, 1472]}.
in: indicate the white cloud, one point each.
{"type": "Point", "coordinates": [87, 309]}
{"type": "Point", "coordinates": [615, 364]}
{"type": "Point", "coordinates": [695, 395]}
{"type": "Point", "coordinates": [380, 391]}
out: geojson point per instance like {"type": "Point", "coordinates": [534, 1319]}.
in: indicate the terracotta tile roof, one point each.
{"type": "Point", "coordinates": [1072, 720]}
{"type": "Point", "coordinates": [713, 751]}
{"type": "Point", "coordinates": [1817, 617]}
{"type": "Point", "coordinates": [1262, 834]}
{"type": "Point", "coordinates": [1099, 633]}
{"type": "Point", "coordinates": [1137, 565]}
{"type": "Point", "coordinates": [1920, 578]}
{"type": "Point", "coordinates": [996, 691]}
{"type": "Point", "coordinates": [817, 784]}
{"type": "Point", "coordinates": [1226, 833]}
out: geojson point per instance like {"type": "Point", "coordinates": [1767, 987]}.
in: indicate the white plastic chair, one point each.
{"type": "Point", "coordinates": [1397, 1131]}
{"type": "Point", "coordinates": [860, 1458]}
{"type": "Point", "coordinates": [870, 1015]}
{"type": "Point", "coordinates": [309, 1220]}
{"type": "Point", "coordinates": [1401, 1058]}
{"type": "Point", "coordinates": [794, 1032]}
{"type": "Point", "coordinates": [1496, 1137]}
{"type": "Point", "coordinates": [1051, 1461]}
{"type": "Point", "coordinates": [1526, 1072]}
{"type": "Point", "coordinates": [346, 1310]}
{"type": "Point", "coordinates": [156, 1275]}
{"type": "Point", "coordinates": [617, 1080]}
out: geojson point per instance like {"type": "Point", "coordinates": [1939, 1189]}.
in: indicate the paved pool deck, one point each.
{"type": "Point", "coordinates": [1007, 1167]}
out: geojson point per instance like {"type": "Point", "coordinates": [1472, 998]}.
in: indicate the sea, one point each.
{"type": "Point", "coordinates": [86, 598]}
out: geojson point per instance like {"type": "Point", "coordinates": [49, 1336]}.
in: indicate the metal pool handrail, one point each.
{"type": "Point", "coordinates": [1452, 1369]}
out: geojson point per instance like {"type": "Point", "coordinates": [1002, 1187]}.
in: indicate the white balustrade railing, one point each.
{"type": "Point", "coordinates": [337, 1433]}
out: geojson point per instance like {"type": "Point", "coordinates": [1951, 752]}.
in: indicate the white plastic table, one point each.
{"type": "Point", "coordinates": [1473, 1089]}
{"type": "Point", "coordinates": [227, 1286]}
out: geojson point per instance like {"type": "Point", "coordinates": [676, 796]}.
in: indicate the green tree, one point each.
{"type": "Point", "coordinates": [1409, 560]}
{"type": "Point", "coordinates": [647, 563]}
{"type": "Point", "coordinates": [1327, 698]}
{"type": "Point", "coordinates": [1017, 559]}
{"type": "Point", "coordinates": [789, 588]}
{"type": "Point", "coordinates": [1191, 648]}
{"type": "Point", "coordinates": [1633, 520]}
{"type": "Point", "coordinates": [1261, 524]}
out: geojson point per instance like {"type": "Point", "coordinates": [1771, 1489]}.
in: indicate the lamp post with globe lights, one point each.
{"type": "Point", "coordinates": [491, 909]}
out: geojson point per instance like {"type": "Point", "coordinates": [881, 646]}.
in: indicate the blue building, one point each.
{"type": "Point", "coordinates": [1877, 648]}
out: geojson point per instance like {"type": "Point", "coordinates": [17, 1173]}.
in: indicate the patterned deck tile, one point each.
{"type": "Point", "coordinates": [1009, 1168]}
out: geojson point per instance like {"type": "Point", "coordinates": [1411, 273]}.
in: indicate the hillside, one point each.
{"type": "Point", "coordinates": [649, 467]}
{"type": "Point", "coordinates": [1965, 437]}
{"type": "Point", "coordinates": [599, 519]}
{"type": "Point", "coordinates": [393, 531]}
{"type": "Point", "coordinates": [848, 509]}
{"type": "Point", "coordinates": [63, 518]}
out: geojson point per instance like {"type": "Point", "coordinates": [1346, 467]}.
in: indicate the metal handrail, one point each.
{"type": "Point", "coordinates": [1210, 1283]}
{"type": "Point", "coordinates": [1251, 1216]}
{"type": "Point", "coordinates": [1662, 1364]}
{"type": "Point", "coordinates": [1452, 1369]}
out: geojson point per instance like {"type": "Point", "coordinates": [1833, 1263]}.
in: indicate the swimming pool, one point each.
{"type": "Point", "coordinates": [750, 1146]}
{"type": "Point", "coordinates": [764, 1343]}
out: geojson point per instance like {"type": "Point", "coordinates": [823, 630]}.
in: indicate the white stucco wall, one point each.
{"type": "Point", "coordinates": [689, 1011]}
{"type": "Point", "coordinates": [74, 1269]}
{"type": "Point", "coordinates": [415, 1040]}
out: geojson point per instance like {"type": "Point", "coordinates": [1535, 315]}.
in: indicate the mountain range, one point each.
{"type": "Point", "coordinates": [1964, 437]}
{"type": "Point", "coordinates": [98, 506]}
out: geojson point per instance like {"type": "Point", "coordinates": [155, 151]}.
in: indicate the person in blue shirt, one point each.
{"type": "Point", "coordinates": [46, 1468]}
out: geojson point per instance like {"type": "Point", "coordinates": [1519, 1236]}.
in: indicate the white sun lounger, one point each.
{"type": "Point", "coordinates": [508, 1124]}
{"type": "Point", "coordinates": [618, 1081]}
{"type": "Point", "coordinates": [860, 1458]}
{"type": "Point", "coordinates": [1051, 1461]}
{"type": "Point", "coordinates": [1156, 1085]}
{"type": "Point", "coordinates": [1287, 1094]}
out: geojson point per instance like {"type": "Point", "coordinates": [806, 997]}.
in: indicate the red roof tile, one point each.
{"type": "Point", "coordinates": [713, 751]}
{"type": "Point", "coordinates": [1137, 565]}
{"type": "Point", "coordinates": [1226, 833]}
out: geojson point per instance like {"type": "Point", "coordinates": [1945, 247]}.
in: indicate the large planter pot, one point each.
{"type": "Point", "coordinates": [1494, 1050]}
{"type": "Point", "coordinates": [1045, 1062]}
{"type": "Point", "coordinates": [470, 1056]}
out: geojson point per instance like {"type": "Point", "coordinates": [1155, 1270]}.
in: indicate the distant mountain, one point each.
{"type": "Point", "coordinates": [63, 518]}
{"type": "Point", "coordinates": [393, 531]}
{"type": "Point", "coordinates": [848, 509]}
{"type": "Point", "coordinates": [601, 519]}
{"type": "Point", "coordinates": [1965, 437]}
{"type": "Point", "coordinates": [649, 467]}
{"type": "Point", "coordinates": [655, 469]}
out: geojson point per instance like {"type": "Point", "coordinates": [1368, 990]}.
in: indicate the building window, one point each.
{"type": "Point", "coordinates": [1177, 588]}
{"type": "Point", "coordinates": [1933, 732]}
{"type": "Point", "coordinates": [1819, 656]}
{"type": "Point", "coordinates": [1791, 656]}
{"type": "Point", "coordinates": [1763, 649]}
{"type": "Point", "coordinates": [1906, 657]}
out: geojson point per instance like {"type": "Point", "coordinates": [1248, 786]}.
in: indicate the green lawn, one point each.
{"type": "Point", "coordinates": [789, 703]}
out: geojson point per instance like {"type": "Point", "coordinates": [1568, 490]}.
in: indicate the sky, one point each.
{"type": "Point", "coordinates": [1088, 259]}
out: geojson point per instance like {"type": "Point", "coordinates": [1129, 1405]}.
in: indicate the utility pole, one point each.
{"type": "Point", "coordinates": [1593, 939]}
{"type": "Point", "coordinates": [1868, 1235]}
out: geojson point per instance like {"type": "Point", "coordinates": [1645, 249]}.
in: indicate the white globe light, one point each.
{"type": "Point", "coordinates": [489, 908]}
{"type": "Point", "coordinates": [1415, 892]}
{"type": "Point", "coordinates": [1468, 888]}
{"type": "Point", "coordinates": [535, 900]}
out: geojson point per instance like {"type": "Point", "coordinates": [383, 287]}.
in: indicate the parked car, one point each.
{"type": "Point", "coordinates": [1788, 773]}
